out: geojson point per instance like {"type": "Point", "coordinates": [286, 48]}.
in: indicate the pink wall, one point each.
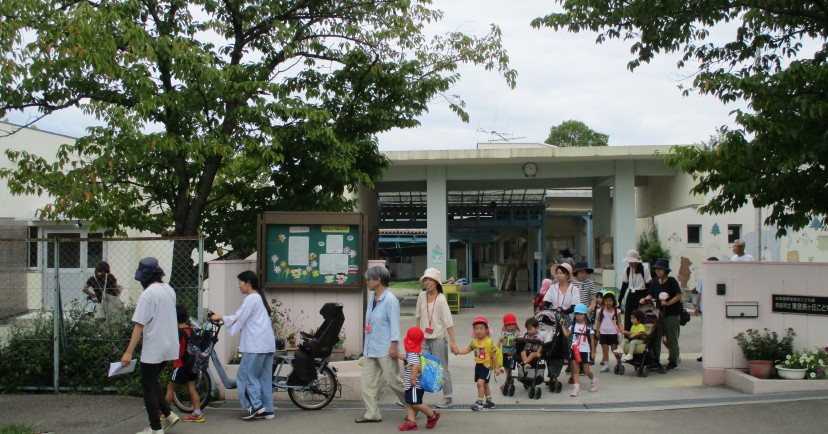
{"type": "Point", "coordinates": [756, 282]}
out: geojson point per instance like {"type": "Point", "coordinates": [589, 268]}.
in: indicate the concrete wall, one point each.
{"type": "Point", "coordinates": [749, 282]}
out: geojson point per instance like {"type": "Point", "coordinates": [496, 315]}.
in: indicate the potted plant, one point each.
{"type": "Point", "coordinates": [809, 364]}
{"type": "Point", "coordinates": [761, 349]}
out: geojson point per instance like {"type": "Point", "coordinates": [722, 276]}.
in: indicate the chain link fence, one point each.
{"type": "Point", "coordinates": [51, 337]}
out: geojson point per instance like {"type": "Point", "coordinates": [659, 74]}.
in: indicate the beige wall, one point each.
{"type": "Point", "coordinates": [755, 282]}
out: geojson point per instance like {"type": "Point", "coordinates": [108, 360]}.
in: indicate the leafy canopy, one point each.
{"type": "Point", "coordinates": [775, 61]}
{"type": "Point", "coordinates": [575, 133]}
{"type": "Point", "coordinates": [216, 110]}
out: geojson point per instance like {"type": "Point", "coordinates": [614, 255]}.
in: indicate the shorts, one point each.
{"type": "Point", "coordinates": [183, 375]}
{"type": "Point", "coordinates": [481, 372]}
{"type": "Point", "coordinates": [609, 339]}
{"type": "Point", "coordinates": [508, 361]}
{"type": "Point", "coordinates": [414, 395]}
{"type": "Point", "coordinates": [585, 357]}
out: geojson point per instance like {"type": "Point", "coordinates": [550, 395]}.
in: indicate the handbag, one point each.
{"type": "Point", "coordinates": [684, 318]}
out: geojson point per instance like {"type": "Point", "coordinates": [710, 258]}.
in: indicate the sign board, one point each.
{"type": "Point", "coordinates": [310, 249]}
{"type": "Point", "coordinates": [800, 304]}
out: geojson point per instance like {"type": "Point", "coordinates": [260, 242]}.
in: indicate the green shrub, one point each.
{"type": "Point", "coordinates": [650, 247]}
{"type": "Point", "coordinates": [17, 429]}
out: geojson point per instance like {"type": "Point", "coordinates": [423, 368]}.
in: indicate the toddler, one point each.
{"type": "Point", "coordinates": [182, 374]}
{"type": "Point", "coordinates": [634, 337]}
{"type": "Point", "coordinates": [532, 350]}
{"type": "Point", "coordinates": [413, 344]}
{"type": "Point", "coordinates": [485, 362]}
{"type": "Point", "coordinates": [607, 326]}
{"type": "Point", "coordinates": [507, 346]}
{"type": "Point", "coordinates": [583, 349]}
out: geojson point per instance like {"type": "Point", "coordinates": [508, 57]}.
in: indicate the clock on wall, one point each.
{"type": "Point", "coordinates": [530, 169]}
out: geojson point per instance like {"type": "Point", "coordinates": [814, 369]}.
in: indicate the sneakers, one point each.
{"type": "Point", "coordinates": [576, 390]}
{"type": "Point", "coordinates": [193, 417]}
{"type": "Point", "coordinates": [489, 405]}
{"type": "Point", "coordinates": [628, 357]}
{"type": "Point", "coordinates": [408, 425]}
{"type": "Point", "coordinates": [477, 406]}
{"type": "Point", "coordinates": [430, 422]}
{"type": "Point", "coordinates": [671, 366]}
{"type": "Point", "coordinates": [605, 368]}
{"type": "Point", "coordinates": [593, 385]}
{"type": "Point", "coordinates": [445, 404]}
{"type": "Point", "coordinates": [618, 351]}
{"type": "Point", "coordinates": [169, 421]}
{"type": "Point", "coordinates": [264, 415]}
{"type": "Point", "coordinates": [149, 430]}
{"type": "Point", "coordinates": [252, 412]}
{"type": "Point", "coordinates": [399, 404]}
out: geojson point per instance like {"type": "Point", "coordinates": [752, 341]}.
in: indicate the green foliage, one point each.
{"type": "Point", "coordinates": [17, 429]}
{"type": "Point", "coordinates": [775, 61]}
{"type": "Point", "coordinates": [575, 133]}
{"type": "Point", "coordinates": [88, 348]}
{"type": "Point", "coordinates": [649, 246]}
{"type": "Point", "coordinates": [766, 345]}
{"type": "Point", "coordinates": [212, 112]}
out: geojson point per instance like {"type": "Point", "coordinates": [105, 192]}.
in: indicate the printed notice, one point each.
{"type": "Point", "coordinates": [298, 250]}
{"type": "Point", "coordinates": [333, 263]}
{"type": "Point", "coordinates": [334, 244]}
{"type": "Point", "coordinates": [116, 368]}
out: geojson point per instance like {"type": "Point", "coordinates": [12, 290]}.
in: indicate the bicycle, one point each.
{"type": "Point", "coordinates": [307, 395]}
{"type": "Point", "coordinates": [88, 307]}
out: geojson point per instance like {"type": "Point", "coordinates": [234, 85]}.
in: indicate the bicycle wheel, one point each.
{"type": "Point", "coordinates": [204, 388]}
{"type": "Point", "coordinates": [318, 394]}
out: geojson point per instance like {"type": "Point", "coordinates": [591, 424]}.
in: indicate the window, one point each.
{"type": "Point", "coordinates": [69, 251]}
{"type": "Point", "coordinates": [32, 247]}
{"type": "Point", "coordinates": [734, 232]}
{"type": "Point", "coordinates": [693, 234]}
{"type": "Point", "coordinates": [94, 250]}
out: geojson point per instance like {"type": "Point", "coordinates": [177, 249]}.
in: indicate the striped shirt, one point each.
{"type": "Point", "coordinates": [587, 290]}
{"type": "Point", "coordinates": [411, 359]}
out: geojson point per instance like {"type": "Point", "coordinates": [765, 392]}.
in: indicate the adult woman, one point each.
{"type": "Point", "coordinates": [433, 316]}
{"type": "Point", "coordinates": [666, 291]}
{"type": "Point", "coordinates": [257, 346]}
{"type": "Point", "coordinates": [633, 284]}
{"type": "Point", "coordinates": [563, 295]}
{"type": "Point", "coordinates": [379, 351]}
{"type": "Point", "coordinates": [106, 291]}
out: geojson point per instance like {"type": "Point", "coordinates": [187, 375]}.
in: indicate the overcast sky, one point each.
{"type": "Point", "coordinates": [561, 76]}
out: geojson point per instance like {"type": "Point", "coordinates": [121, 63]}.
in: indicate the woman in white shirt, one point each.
{"type": "Point", "coordinates": [257, 345]}
{"type": "Point", "coordinates": [636, 279]}
{"type": "Point", "coordinates": [563, 295]}
{"type": "Point", "coordinates": [433, 316]}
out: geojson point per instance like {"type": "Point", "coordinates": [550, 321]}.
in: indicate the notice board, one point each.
{"type": "Point", "coordinates": [310, 249]}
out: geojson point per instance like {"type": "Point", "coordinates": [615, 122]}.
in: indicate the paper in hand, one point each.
{"type": "Point", "coordinates": [116, 368]}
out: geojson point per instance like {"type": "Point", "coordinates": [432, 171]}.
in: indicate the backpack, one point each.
{"type": "Point", "coordinates": [431, 378]}
{"type": "Point", "coordinates": [196, 356]}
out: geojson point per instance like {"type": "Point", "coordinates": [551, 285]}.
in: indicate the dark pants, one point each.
{"type": "Point", "coordinates": [632, 303]}
{"type": "Point", "coordinates": [154, 399]}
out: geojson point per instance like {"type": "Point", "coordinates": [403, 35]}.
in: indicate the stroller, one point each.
{"type": "Point", "coordinates": [645, 361]}
{"type": "Point", "coordinates": [529, 374]}
{"type": "Point", "coordinates": [556, 350]}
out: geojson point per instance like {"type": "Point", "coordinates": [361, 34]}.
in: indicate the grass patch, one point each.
{"type": "Point", "coordinates": [17, 429]}
{"type": "Point", "coordinates": [478, 286]}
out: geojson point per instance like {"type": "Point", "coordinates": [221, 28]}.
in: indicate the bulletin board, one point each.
{"type": "Point", "coordinates": [310, 249]}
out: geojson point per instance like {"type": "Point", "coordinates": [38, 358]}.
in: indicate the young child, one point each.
{"type": "Point", "coordinates": [182, 374]}
{"type": "Point", "coordinates": [583, 349]}
{"type": "Point", "coordinates": [485, 362]}
{"type": "Point", "coordinates": [532, 350]}
{"type": "Point", "coordinates": [634, 337]}
{"type": "Point", "coordinates": [607, 327]}
{"type": "Point", "coordinates": [508, 336]}
{"type": "Point", "coordinates": [413, 394]}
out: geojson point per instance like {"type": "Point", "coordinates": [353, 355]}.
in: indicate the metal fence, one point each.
{"type": "Point", "coordinates": [51, 337]}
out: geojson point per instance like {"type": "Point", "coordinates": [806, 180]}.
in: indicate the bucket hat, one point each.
{"type": "Point", "coordinates": [582, 265]}
{"type": "Point", "coordinates": [632, 256]}
{"type": "Point", "coordinates": [662, 263]}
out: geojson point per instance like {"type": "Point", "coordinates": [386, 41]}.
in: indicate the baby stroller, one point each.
{"type": "Point", "coordinates": [645, 361]}
{"type": "Point", "coordinates": [529, 374]}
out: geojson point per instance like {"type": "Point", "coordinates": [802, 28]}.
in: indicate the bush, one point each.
{"type": "Point", "coordinates": [766, 345]}
{"type": "Point", "coordinates": [650, 247]}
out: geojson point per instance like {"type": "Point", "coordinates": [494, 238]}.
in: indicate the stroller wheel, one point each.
{"type": "Point", "coordinates": [511, 390]}
{"type": "Point", "coordinates": [621, 370]}
{"type": "Point", "coordinates": [538, 392]}
{"type": "Point", "coordinates": [532, 393]}
{"type": "Point", "coordinates": [640, 371]}
{"type": "Point", "coordinates": [645, 373]}
{"type": "Point", "coordinates": [558, 387]}
{"type": "Point", "coordinates": [505, 390]}
{"type": "Point", "coordinates": [662, 369]}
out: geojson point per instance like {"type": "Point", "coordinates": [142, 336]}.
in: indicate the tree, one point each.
{"type": "Point", "coordinates": [214, 111]}
{"type": "Point", "coordinates": [650, 246]}
{"type": "Point", "coordinates": [776, 62]}
{"type": "Point", "coordinates": [575, 133]}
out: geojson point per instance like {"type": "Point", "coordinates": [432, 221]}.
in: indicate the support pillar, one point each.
{"type": "Point", "coordinates": [623, 214]}
{"type": "Point", "coordinates": [437, 214]}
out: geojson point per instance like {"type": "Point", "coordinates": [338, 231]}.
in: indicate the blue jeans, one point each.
{"type": "Point", "coordinates": [255, 381]}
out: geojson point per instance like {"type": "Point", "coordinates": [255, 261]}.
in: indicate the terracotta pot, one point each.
{"type": "Point", "coordinates": [760, 368]}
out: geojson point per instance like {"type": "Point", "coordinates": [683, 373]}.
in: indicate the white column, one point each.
{"type": "Point", "coordinates": [601, 212]}
{"type": "Point", "coordinates": [623, 214]}
{"type": "Point", "coordinates": [437, 213]}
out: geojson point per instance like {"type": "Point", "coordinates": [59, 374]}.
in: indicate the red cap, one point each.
{"type": "Point", "coordinates": [480, 320]}
{"type": "Point", "coordinates": [509, 319]}
{"type": "Point", "coordinates": [413, 341]}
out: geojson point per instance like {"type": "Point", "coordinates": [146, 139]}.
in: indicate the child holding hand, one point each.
{"type": "Point", "coordinates": [485, 362]}
{"type": "Point", "coordinates": [413, 393]}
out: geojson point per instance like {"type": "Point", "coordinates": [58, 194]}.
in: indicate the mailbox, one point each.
{"type": "Point", "coordinates": [741, 309]}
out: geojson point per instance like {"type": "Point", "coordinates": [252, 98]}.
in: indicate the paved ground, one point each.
{"type": "Point", "coordinates": [676, 402]}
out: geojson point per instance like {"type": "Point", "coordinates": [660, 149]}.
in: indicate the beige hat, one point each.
{"type": "Point", "coordinates": [633, 256]}
{"type": "Point", "coordinates": [433, 274]}
{"type": "Point", "coordinates": [566, 267]}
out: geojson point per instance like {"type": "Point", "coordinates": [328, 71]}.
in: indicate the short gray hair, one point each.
{"type": "Point", "coordinates": [378, 273]}
{"type": "Point", "coordinates": [740, 242]}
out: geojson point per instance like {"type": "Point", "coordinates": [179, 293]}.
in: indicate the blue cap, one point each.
{"type": "Point", "coordinates": [581, 308]}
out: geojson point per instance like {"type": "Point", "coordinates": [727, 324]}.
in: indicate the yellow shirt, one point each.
{"type": "Point", "coordinates": [637, 328]}
{"type": "Point", "coordinates": [483, 351]}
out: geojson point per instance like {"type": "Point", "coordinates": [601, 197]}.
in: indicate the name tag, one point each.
{"type": "Point", "coordinates": [368, 329]}
{"type": "Point", "coordinates": [429, 330]}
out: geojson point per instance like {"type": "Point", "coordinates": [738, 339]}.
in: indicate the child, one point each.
{"type": "Point", "coordinates": [532, 350]}
{"type": "Point", "coordinates": [507, 346]}
{"type": "Point", "coordinates": [583, 349]}
{"type": "Point", "coordinates": [485, 361]}
{"type": "Point", "coordinates": [634, 337]}
{"type": "Point", "coordinates": [182, 373]}
{"type": "Point", "coordinates": [607, 326]}
{"type": "Point", "coordinates": [538, 302]}
{"type": "Point", "coordinates": [413, 394]}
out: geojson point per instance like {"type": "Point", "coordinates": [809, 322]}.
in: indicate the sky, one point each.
{"type": "Point", "coordinates": [561, 76]}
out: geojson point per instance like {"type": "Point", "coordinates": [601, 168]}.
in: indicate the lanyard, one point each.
{"type": "Point", "coordinates": [430, 314]}
{"type": "Point", "coordinates": [374, 304]}
{"type": "Point", "coordinates": [561, 297]}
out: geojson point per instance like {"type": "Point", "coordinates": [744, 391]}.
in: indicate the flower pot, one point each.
{"type": "Point", "coordinates": [337, 355]}
{"type": "Point", "coordinates": [791, 374]}
{"type": "Point", "coordinates": [760, 368]}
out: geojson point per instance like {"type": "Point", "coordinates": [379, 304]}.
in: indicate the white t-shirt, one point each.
{"type": "Point", "coordinates": [156, 312]}
{"type": "Point", "coordinates": [744, 258]}
{"type": "Point", "coordinates": [580, 336]}
{"type": "Point", "coordinates": [636, 281]}
{"type": "Point", "coordinates": [562, 300]}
